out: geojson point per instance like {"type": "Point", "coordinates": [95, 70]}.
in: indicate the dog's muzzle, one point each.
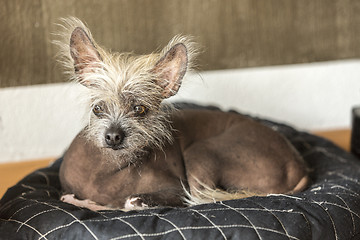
{"type": "Point", "coordinates": [114, 137]}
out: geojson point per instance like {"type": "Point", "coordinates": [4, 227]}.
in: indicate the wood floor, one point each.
{"type": "Point", "coordinates": [11, 173]}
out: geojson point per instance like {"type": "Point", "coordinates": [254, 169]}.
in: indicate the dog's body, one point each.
{"type": "Point", "coordinates": [222, 150]}
{"type": "Point", "coordinates": [135, 153]}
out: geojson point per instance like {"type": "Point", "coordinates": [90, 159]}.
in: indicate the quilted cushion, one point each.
{"type": "Point", "coordinates": [328, 209]}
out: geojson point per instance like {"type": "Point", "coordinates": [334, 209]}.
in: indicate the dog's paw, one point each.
{"type": "Point", "coordinates": [68, 198]}
{"type": "Point", "coordinates": [135, 203]}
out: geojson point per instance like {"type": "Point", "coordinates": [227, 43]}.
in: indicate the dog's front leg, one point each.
{"type": "Point", "coordinates": [171, 198]}
{"type": "Point", "coordinates": [71, 199]}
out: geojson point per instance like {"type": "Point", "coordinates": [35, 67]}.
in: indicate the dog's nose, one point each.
{"type": "Point", "coordinates": [114, 137]}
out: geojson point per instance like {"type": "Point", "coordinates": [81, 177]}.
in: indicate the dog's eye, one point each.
{"type": "Point", "coordinates": [97, 110]}
{"type": "Point", "coordinates": [140, 110]}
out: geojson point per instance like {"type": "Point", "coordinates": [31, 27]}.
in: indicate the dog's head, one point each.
{"type": "Point", "coordinates": [126, 91]}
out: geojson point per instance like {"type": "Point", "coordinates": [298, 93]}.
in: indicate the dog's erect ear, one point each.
{"type": "Point", "coordinates": [171, 68]}
{"type": "Point", "coordinates": [83, 51]}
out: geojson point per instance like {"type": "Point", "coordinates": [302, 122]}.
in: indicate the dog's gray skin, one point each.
{"type": "Point", "coordinates": [201, 149]}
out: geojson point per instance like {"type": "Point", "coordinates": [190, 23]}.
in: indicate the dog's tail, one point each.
{"type": "Point", "coordinates": [206, 194]}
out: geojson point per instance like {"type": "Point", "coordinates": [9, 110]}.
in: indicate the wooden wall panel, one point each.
{"type": "Point", "coordinates": [233, 33]}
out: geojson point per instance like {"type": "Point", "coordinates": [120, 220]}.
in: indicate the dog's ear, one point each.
{"type": "Point", "coordinates": [171, 68]}
{"type": "Point", "coordinates": [83, 51]}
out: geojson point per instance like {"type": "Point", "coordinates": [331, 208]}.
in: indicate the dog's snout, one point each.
{"type": "Point", "coordinates": [114, 137]}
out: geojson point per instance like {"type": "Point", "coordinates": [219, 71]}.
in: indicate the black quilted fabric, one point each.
{"type": "Point", "coordinates": [328, 209]}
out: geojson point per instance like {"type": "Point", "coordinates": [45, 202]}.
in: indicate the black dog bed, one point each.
{"type": "Point", "coordinates": [328, 209]}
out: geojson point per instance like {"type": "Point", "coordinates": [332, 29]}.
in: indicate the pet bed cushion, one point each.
{"type": "Point", "coordinates": [328, 209]}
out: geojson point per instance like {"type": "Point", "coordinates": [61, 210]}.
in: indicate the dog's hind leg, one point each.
{"type": "Point", "coordinates": [201, 172]}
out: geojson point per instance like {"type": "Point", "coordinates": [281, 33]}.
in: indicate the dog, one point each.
{"type": "Point", "coordinates": [137, 152]}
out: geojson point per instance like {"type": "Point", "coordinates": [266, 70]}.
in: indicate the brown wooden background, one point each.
{"type": "Point", "coordinates": [234, 33]}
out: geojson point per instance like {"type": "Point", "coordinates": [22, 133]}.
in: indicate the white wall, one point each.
{"type": "Point", "coordinates": [308, 96]}
{"type": "Point", "coordinates": [40, 121]}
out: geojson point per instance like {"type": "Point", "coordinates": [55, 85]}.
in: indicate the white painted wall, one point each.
{"type": "Point", "coordinates": [308, 96]}
{"type": "Point", "coordinates": [41, 121]}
